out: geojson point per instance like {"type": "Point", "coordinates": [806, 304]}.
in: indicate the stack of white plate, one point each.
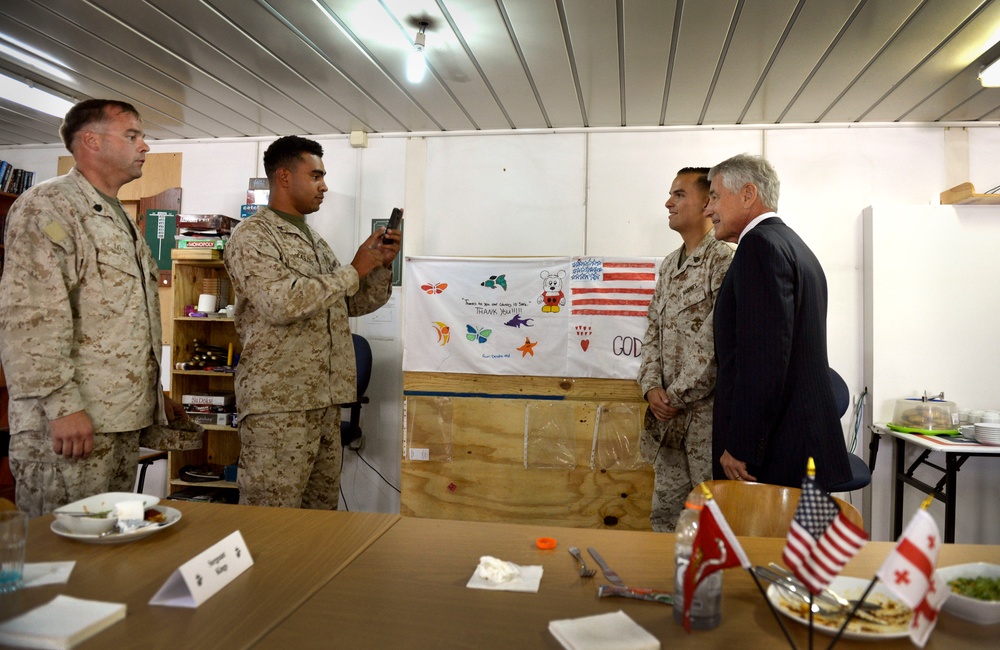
{"type": "Point", "coordinates": [988, 433]}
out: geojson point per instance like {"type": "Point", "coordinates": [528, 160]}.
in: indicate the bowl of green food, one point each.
{"type": "Point", "coordinates": [975, 591]}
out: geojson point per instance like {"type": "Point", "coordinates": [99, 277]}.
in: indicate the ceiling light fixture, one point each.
{"type": "Point", "coordinates": [416, 64]}
{"type": "Point", "coordinates": [989, 76]}
{"type": "Point", "coordinates": [28, 95]}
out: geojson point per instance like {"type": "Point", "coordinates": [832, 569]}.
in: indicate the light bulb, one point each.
{"type": "Point", "coordinates": [415, 64]}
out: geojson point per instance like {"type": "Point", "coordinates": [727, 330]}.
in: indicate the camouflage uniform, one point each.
{"type": "Point", "coordinates": [297, 364]}
{"type": "Point", "coordinates": [678, 355]}
{"type": "Point", "coordinates": [79, 330]}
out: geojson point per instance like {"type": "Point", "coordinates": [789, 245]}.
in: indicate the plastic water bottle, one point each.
{"type": "Point", "coordinates": [706, 606]}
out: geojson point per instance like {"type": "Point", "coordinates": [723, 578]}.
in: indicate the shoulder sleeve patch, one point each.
{"type": "Point", "coordinates": [55, 232]}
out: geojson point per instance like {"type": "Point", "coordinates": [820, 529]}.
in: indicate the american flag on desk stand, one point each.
{"type": "Point", "coordinates": [612, 287]}
{"type": "Point", "coordinates": [821, 539]}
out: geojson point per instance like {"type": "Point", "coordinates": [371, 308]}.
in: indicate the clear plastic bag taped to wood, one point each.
{"type": "Point", "coordinates": [429, 429]}
{"type": "Point", "coordinates": [616, 437]}
{"type": "Point", "coordinates": [549, 441]}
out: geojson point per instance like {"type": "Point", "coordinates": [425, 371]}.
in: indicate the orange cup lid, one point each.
{"type": "Point", "coordinates": [545, 543]}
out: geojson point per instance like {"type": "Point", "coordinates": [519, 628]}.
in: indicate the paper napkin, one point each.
{"type": "Point", "coordinates": [61, 623]}
{"type": "Point", "coordinates": [37, 574]}
{"type": "Point", "coordinates": [498, 575]}
{"type": "Point", "coordinates": [603, 631]}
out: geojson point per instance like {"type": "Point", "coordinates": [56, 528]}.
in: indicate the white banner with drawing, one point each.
{"type": "Point", "coordinates": [556, 316]}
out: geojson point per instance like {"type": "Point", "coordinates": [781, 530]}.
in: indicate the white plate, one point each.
{"type": "Point", "coordinates": [106, 501]}
{"type": "Point", "coordinates": [173, 516]}
{"type": "Point", "coordinates": [978, 611]}
{"type": "Point", "coordinates": [848, 588]}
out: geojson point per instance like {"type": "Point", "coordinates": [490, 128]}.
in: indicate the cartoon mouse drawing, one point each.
{"type": "Point", "coordinates": [552, 294]}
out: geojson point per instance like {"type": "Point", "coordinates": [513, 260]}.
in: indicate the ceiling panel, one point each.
{"type": "Point", "coordinates": [648, 35]}
{"type": "Point", "coordinates": [221, 68]}
{"type": "Point", "coordinates": [703, 33]}
{"type": "Point", "coordinates": [865, 32]}
{"type": "Point", "coordinates": [930, 25]}
{"type": "Point", "coordinates": [757, 45]}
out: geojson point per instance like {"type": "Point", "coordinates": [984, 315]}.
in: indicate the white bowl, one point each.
{"type": "Point", "coordinates": [88, 524]}
{"type": "Point", "coordinates": [983, 612]}
{"type": "Point", "coordinates": [97, 504]}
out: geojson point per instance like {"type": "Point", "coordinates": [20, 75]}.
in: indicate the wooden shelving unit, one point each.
{"type": "Point", "coordinates": [222, 444]}
{"type": "Point", "coordinates": [965, 194]}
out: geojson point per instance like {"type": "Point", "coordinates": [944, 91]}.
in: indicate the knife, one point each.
{"type": "Point", "coordinates": [609, 573]}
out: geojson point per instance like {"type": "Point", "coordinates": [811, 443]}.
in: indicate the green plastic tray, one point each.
{"type": "Point", "coordinates": [926, 432]}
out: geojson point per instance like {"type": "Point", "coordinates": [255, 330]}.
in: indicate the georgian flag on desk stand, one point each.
{"type": "Point", "coordinates": [910, 573]}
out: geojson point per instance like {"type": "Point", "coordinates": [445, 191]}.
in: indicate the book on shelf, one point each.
{"type": "Point", "coordinates": [210, 408]}
{"type": "Point", "coordinates": [213, 419]}
{"type": "Point", "coordinates": [198, 254]}
{"type": "Point", "coordinates": [211, 243]}
{"type": "Point", "coordinates": [5, 179]}
{"type": "Point", "coordinates": [61, 623]}
{"type": "Point", "coordinates": [210, 398]}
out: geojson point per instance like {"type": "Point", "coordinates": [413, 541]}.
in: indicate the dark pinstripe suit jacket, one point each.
{"type": "Point", "coordinates": [774, 403]}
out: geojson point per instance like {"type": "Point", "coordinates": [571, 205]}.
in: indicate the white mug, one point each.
{"type": "Point", "coordinates": [206, 303]}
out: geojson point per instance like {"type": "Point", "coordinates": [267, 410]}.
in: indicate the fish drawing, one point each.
{"type": "Point", "coordinates": [443, 332]}
{"type": "Point", "coordinates": [517, 321]}
{"type": "Point", "coordinates": [495, 281]}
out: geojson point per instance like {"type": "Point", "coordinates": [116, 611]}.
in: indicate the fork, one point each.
{"type": "Point", "coordinates": [843, 602]}
{"type": "Point", "coordinates": [584, 571]}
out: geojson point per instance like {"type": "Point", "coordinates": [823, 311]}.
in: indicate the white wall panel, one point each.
{"type": "Point", "coordinates": [984, 154]}
{"type": "Point", "coordinates": [214, 176]}
{"type": "Point", "coordinates": [505, 195]}
{"type": "Point", "coordinates": [935, 304]}
{"type": "Point", "coordinates": [629, 176]}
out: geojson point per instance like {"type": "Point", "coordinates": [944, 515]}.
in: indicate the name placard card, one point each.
{"type": "Point", "coordinates": [204, 575]}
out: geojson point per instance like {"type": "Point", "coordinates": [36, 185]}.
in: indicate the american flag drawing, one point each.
{"type": "Point", "coordinates": [608, 287]}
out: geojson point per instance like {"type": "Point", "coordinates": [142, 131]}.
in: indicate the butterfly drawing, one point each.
{"type": "Point", "coordinates": [480, 334]}
{"type": "Point", "coordinates": [434, 287]}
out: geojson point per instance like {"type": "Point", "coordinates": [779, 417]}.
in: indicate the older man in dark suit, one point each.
{"type": "Point", "coordinates": [774, 403]}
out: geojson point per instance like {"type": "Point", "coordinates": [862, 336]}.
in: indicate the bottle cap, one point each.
{"type": "Point", "coordinates": [545, 543]}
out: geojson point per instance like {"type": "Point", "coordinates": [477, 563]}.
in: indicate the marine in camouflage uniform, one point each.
{"type": "Point", "coordinates": [678, 357]}
{"type": "Point", "coordinates": [297, 364]}
{"type": "Point", "coordinates": [79, 332]}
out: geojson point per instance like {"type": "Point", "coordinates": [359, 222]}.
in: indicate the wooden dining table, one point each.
{"type": "Point", "coordinates": [365, 580]}
{"type": "Point", "coordinates": [408, 590]}
{"type": "Point", "coordinates": [295, 552]}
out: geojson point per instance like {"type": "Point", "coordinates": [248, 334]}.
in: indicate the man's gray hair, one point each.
{"type": "Point", "coordinates": [744, 168]}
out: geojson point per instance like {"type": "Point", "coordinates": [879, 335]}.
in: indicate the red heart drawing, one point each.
{"type": "Point", "coordinates": [585, 343]}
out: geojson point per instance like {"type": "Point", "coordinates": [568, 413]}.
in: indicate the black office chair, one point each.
{"type": "Point", "coordinates": [861, 476]}
{"type": "Point", "coordinates": [351, 429]}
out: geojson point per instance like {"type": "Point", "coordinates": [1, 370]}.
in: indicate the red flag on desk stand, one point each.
{"type": "Point", "coordinates": [715, 547]}
{"type": "Point", "coordinates": [821, 539]}
{"type": "Point", "coordinates": [910, 573]}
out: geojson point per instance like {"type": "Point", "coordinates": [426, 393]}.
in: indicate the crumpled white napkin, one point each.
{"type": "Point", "coordinates": [603, 631]}
{"type": "Point", "coordinates": [495, 574]}
{"type": "Point", "coordinates": [37, 574]}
